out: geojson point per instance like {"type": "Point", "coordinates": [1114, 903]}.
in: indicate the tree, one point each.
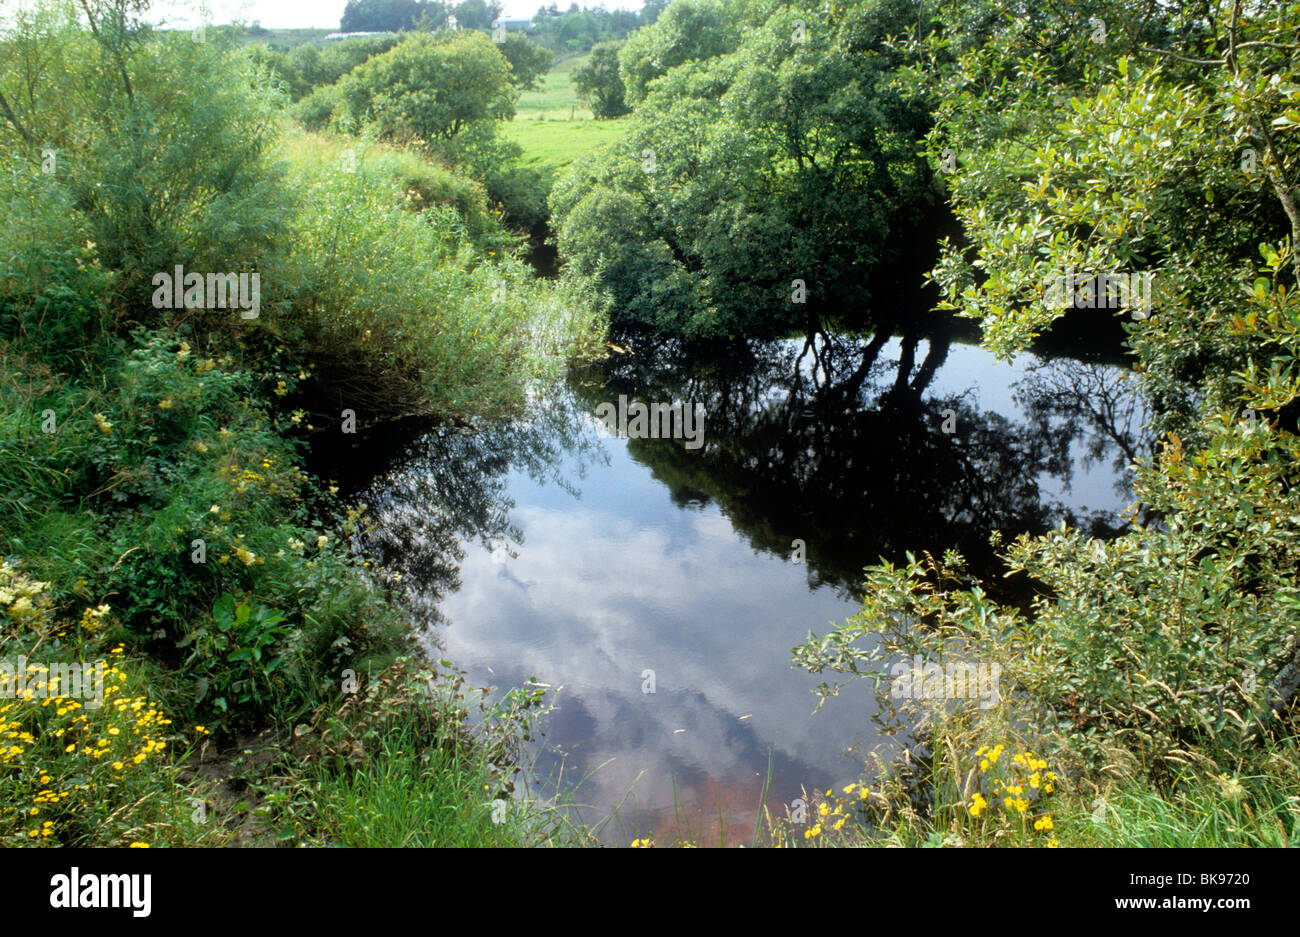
{"type": "Point", "coordinates": [528, 61]}
{"type": "Point", "coordinates": [309, 67]}
{"type": "Point", "coordinates": [599, 83]}
{"type": "Point", "coordinates": [689, 30]}
{"type": "Point", "coordinates": [386, 15]}
{"type": "Point", "coordinates": [168, 137]}
{"type": "Point", "coordinates": [746, 171]}
{"type": "Point", "coordinates": [431, 89]}
{"type": "Point", "coordinates": [476, 14]}
{"type": "Point", "coordinates": [578, 29]}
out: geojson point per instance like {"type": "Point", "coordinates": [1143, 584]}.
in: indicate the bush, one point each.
{"type": "Point", "coordinates": [53, 291]}
{"type": "Point", "coordinates": [399, 309]}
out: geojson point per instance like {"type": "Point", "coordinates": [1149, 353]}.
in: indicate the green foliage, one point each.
{"type": "Point", "coordinates": [379, 15]}
{"type": "Point", "coordinates": [528, 61]}
{"type": "Point", "coordinates": [84, 759]}
{"type": "Point", "coordinates": [150, 471]}
{"type": "Point", "coordinates": [118, 499]}
{"type": "Point", "coordinates": [310, 67]}
{"type": "Point", "coordinates": [749, 170]}
{"type": "Point", "coordinates": [239, 633]}
{"type": "Point", "coordinates": [687, 31]}
{"type": "Point", "coordinates": [474, 14]}
{"type": "Point", "coordinates": [316, 111]}
{"type": "Point", "coordinates": [54, 293]}
{"type": "Point", "coordinates": [577, 30]}
{"type": "Point", "coordinates": [600, 84]}
{"type": "Point", "coordinates": [1252, 812]}
{"type": "Point", "coordinates": [429, 90]}
{"type": "Point", "coordinates": [1168, 654]}
{"type": "Point", "coordinates": [403, 312]}
{"type": "Point", "coordinates": [397, 766]}
{"type": "Point", "coordinates": [160, 150]}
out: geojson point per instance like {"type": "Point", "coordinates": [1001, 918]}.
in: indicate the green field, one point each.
{"type": "Point", "coordinates": [553, 125]}
{"type": "Point", "coordinates": [556, 99]}
{"type": "Point", "coordinates": [553, 144]}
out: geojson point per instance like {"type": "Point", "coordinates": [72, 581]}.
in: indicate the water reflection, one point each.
{"type": "Point", "coordinates": [595, 564]}
{"type": "Point", "coordinates": [859, 452]}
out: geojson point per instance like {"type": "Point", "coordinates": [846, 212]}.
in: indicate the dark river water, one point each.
{"type": "Point", "coordinates": [656, 584]}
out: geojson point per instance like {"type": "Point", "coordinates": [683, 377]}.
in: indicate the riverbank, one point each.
{"type": "Point", "coordinates": [157, 521]}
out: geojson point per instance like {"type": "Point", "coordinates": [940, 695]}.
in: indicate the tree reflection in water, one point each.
{"type": "Point", "coordinates": [823, 440]}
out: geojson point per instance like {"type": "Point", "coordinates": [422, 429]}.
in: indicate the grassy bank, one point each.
{"type": "Point", "coordinates": [553, 127]}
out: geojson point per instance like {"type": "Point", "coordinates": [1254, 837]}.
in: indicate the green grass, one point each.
{"type": "Point", "coordinates": [405, 798]}
{"type": "Point", "coordinates": [556, 99]}
{"type": "Point", "coordinates": [553, 126]}
{"type": "Point", "coordinates": [554, 144]}
{"type": "Point", "coordinates": [413, 791]}
{"type": "Point", "coordinates": [1203, 817]}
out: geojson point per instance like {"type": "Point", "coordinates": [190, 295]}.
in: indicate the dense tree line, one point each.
{"type": "Point", "coordinates": [395, 15]}
{"type": "Point", "coordinates": [577, 29]}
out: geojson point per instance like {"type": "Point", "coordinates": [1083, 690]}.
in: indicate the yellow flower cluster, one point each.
{"type": "Point", "coordinates": [92, 619]}
{"type": "Point", "coordinates": [1026, 770]}
{"type": "Point", "coordinates": [44, 746]}
{"type": "Point", "coordinates": [832, 818]}
{"type": "Point", "coordinates": [271, 475]}
{"type": "Point", "coordinates": [647, 843]}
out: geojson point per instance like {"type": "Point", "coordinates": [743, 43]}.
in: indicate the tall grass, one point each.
{"type": "Point", "coordinates": [407, 795]}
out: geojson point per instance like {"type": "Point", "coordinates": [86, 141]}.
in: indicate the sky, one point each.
{"type": "Point", "coordinates": [321, 14]}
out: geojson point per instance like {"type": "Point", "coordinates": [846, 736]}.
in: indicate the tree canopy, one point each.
{"type": "Point", "coordinates": [600, 83]}
{"type": "Point", "coordinates": [430, 88]}
{"type": "Point", "coordinates": [760, 178]}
